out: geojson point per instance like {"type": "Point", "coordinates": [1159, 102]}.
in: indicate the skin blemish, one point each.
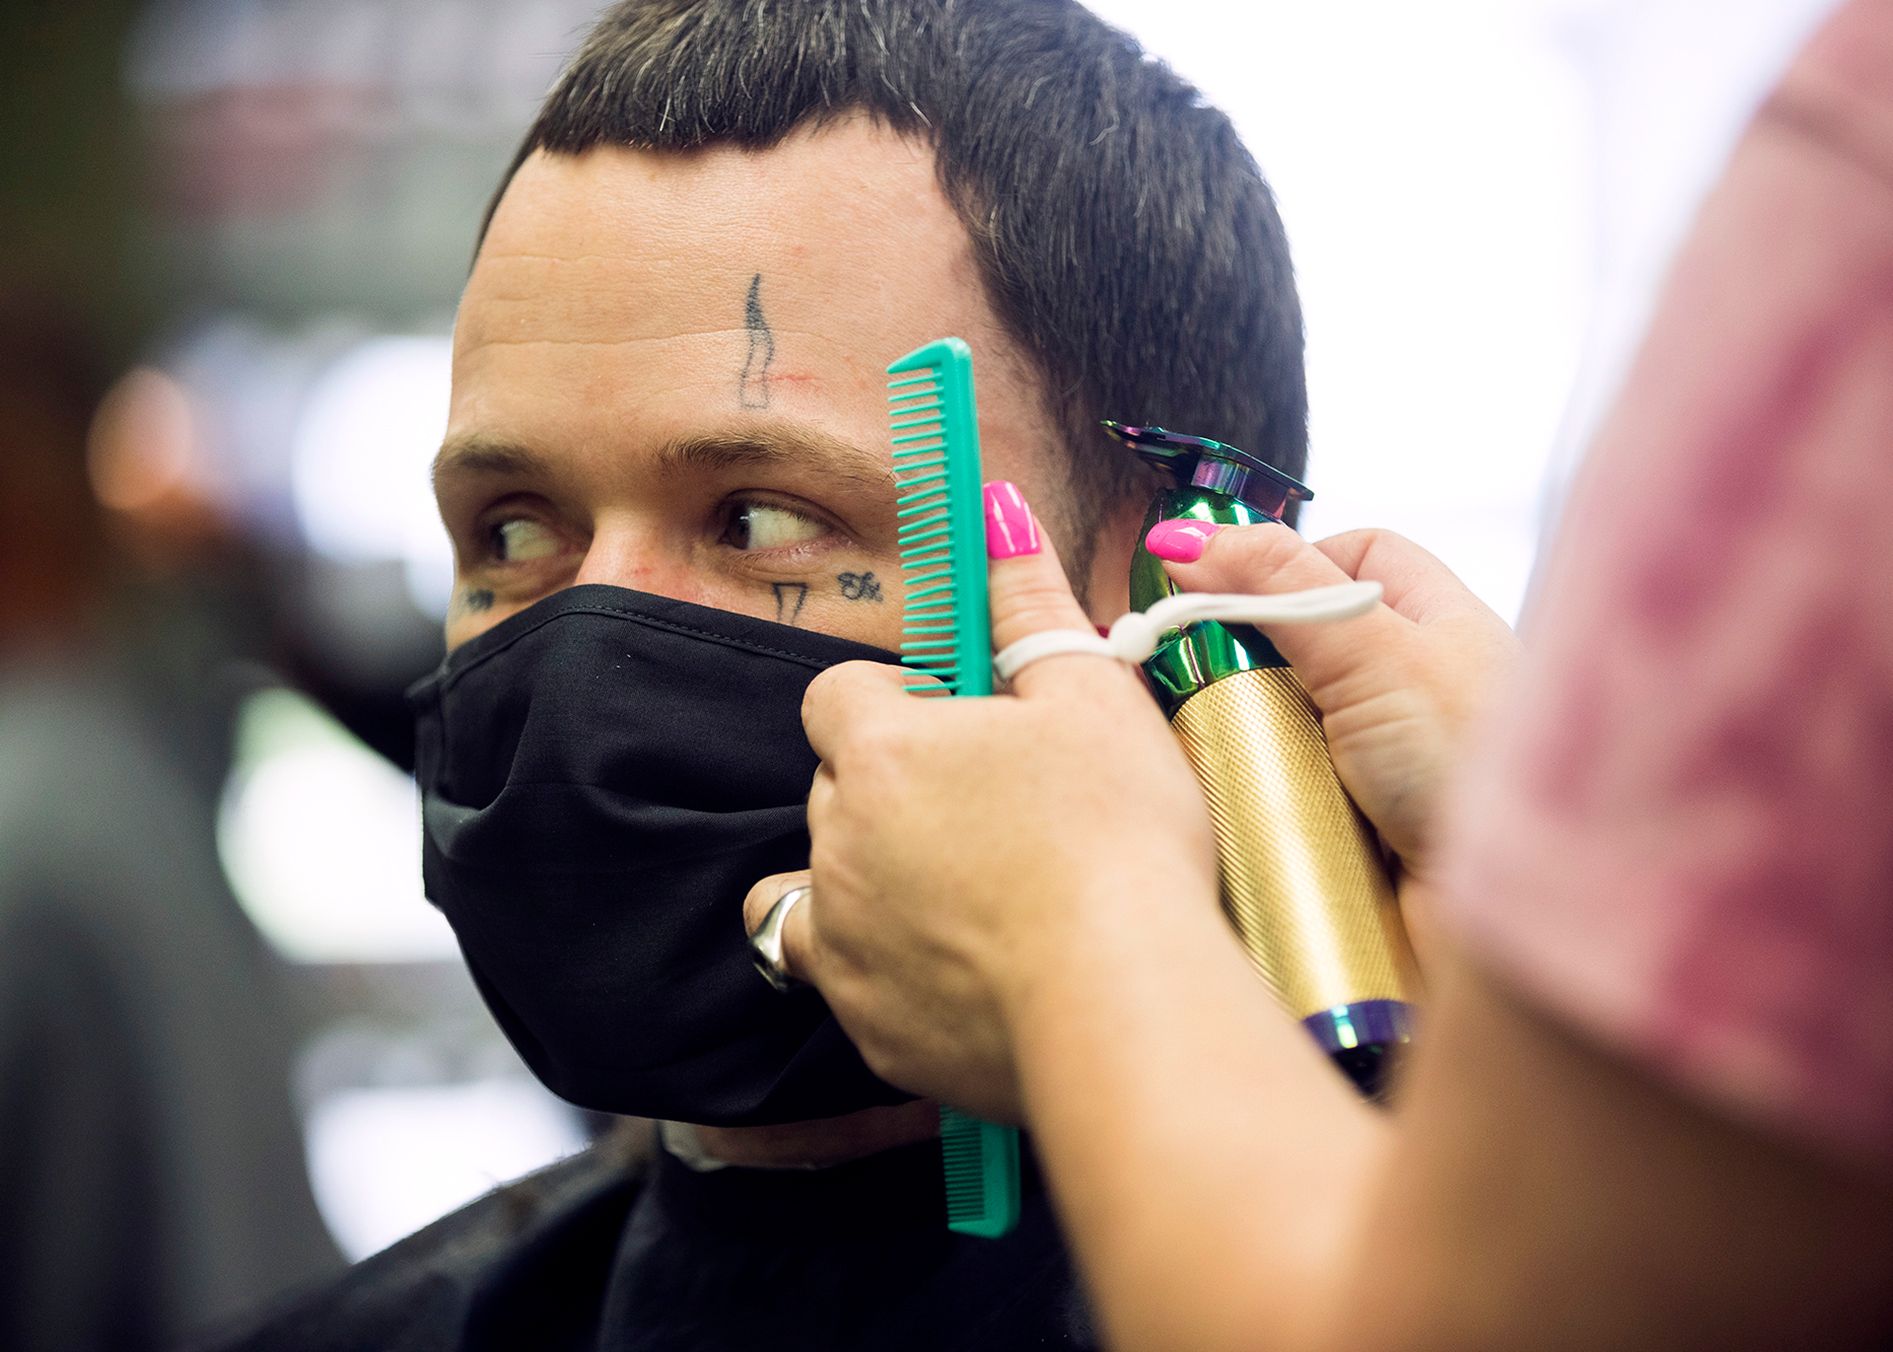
{"type": "Point", "coordinates": [474, 600]}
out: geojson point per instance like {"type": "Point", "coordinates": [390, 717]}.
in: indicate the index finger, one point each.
{"type": "Point", "coordinates": [1031, 594]}
{"type": "Point", "coordinates": [1414, 582]}
{"type": "Point", "coordinates": [1271, 557]}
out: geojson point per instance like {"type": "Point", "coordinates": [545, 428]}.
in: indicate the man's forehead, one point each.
{"type": "Point", "coordinates": [837, 220]}
{"type": "Point", "coordinates": [666, 291]}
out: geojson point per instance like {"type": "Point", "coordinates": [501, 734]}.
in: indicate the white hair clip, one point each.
{"type": "Point", "coordinates": [1136, 635]}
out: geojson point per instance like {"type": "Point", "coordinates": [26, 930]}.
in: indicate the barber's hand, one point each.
{"type": "Point", "coordinates": [960, 846]}
{"type": "Point", "coordinates": [963, 845]}
{"type": "Point", "coordinates": [1398, 688]}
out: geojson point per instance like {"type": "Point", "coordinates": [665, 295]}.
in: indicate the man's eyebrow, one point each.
{"type": "Point", "coordinates": [484, 455]}
{"type": "Point", "coordinates": [788, 447]}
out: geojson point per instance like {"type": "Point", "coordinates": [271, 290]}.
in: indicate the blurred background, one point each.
{"type": "Point", "coordinates": [1481, 196]}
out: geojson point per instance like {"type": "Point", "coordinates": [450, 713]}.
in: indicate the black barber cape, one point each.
{"type": "Point", "coordinates": [604, 1253]}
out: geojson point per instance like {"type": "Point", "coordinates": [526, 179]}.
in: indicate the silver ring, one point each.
{"type": "Point", "coordinates": [765, 945]}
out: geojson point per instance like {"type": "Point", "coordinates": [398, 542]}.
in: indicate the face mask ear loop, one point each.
{"type": "Point", "coordinates": [1135, 635]}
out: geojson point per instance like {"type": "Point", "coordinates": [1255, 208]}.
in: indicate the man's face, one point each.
{"type": "Point", "coordinates": [669, 375]}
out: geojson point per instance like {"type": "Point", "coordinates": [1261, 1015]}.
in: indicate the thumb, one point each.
{"type": "Point", "coordinates": [1265, 558]}
{"type": "Point", "coordinates": [1030, 594]}
{"type": "Point", "coordinates": [799, 956]}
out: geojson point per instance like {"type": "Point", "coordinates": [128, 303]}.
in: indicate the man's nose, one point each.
{"type": "Point", "coordinates": [641, 556]}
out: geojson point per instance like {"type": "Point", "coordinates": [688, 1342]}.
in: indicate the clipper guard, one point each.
{"type": "Point", "coordinates": [1304, 882]}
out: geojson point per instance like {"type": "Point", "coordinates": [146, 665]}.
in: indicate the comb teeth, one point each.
{"type": "Point", "coordinates": [963, 1160]}
{"type": "Point", "coordinates": [980, 1164]}
{"type": "Point", "coordinates": [917, 422]}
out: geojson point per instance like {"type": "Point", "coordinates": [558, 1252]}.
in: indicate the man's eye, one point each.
{"type": "Point", "coordinates": [762, 525]}
{"type": "Point", "coordinates": [520, 539]}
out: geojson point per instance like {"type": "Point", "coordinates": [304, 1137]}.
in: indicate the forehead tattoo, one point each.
{"type": "Point", "coordinates": [752, 385]}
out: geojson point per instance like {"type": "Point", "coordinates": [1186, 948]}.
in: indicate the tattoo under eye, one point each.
{"type": "Point", "coordinates": [790, 598]}
{"type": "Point", "coordinates": [860, 587]}
{"type": "Point", "coordinates": [752, 385]}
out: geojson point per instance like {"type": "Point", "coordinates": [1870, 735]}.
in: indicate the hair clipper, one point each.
{"type": "Point", "coordinates": [1303, 877]}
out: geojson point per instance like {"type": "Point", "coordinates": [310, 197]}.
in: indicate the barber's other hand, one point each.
{"type": "Point", "coordinates": [1398, 688]}
{"type": "Point", "coordinates": [965, 848]}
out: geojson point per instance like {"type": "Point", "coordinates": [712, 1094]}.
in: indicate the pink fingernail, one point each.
{"type": "Point", "coordinates": [1180, 541]}
{"type": "Point", "coordinates": [1010, 529]}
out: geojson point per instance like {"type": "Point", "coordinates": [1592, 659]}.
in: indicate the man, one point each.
{"type": "Point", "coordinates": [667, 481]}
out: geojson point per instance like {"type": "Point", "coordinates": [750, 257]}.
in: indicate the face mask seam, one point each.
{"type": "Point", "coordinates": [673, 860]}
{"type": "Point", "coordinates": [446, 679]}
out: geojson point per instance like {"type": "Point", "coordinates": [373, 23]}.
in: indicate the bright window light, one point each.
{"type": "Point", "coordinates": [1481, 197]}
{"type": "Point", "coordinates": [319, 839]}
{"type": "Point", "coordinates": [362, 449]}
{"type": "Point", "coordinates": [385, 1161]}
{"type": "Point", "coordinates": [1429, 162]}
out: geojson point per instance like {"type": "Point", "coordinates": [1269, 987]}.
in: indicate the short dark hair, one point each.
{"type": "Point", "coordinates": [1128, 241]}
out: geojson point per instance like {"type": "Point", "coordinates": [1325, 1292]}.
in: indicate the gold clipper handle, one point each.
{"type": "Point", "coordinates": [1302, 876]}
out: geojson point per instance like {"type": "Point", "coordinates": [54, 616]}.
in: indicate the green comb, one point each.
{"type": "Point", "coordinates": [946, 633]}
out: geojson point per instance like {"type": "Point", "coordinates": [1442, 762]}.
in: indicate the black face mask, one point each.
{"type": "Point", "coordinates": [604, 776]}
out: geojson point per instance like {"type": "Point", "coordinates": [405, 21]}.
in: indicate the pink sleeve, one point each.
{"type": "Point", "coordinates": [1682, 840]}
